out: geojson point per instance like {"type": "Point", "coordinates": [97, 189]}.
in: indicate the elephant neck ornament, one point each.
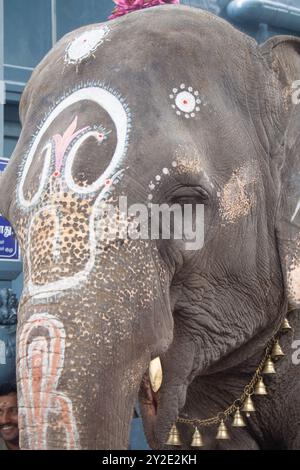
{"type": "Point", "coordinates": [244, 403]}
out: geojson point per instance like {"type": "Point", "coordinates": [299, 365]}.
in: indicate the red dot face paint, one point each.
{"type": "Point", "coordinates": [185, 101]}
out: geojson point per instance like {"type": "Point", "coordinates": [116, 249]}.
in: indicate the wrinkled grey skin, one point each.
{"type": "Point", "coordinates": [207, 313]}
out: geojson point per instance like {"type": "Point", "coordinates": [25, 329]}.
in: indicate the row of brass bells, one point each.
{"type": "Point", "coordinates": [238, 420]}
{"type": "Point", "coordinates": [276, 354]}
{"type": "Point", "coordinates": [174, 437]}
{"type": "Point", "coordinates": [248, 406]}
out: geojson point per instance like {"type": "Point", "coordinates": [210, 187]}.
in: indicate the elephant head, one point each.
{"type": "Point", "coordinates": [168, 105]}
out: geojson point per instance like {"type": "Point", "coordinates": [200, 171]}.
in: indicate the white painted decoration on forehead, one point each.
{"type": "Point", "coordinates": [186, 101]}
{"type": "Point", "coordinates": [112, 103]}
{"type": "Point", "coordinates": [85, 45]}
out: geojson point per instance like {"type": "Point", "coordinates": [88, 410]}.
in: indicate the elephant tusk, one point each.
{"type": "Point", "coordinates": [155, 374]}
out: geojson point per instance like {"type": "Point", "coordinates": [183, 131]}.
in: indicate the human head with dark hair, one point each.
{"type": "Point", "coordinates": [9, 431]}
{"type": "Point", "coordinates": [7, 388]}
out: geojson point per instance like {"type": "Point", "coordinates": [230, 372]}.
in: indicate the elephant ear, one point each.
{"type": "Point", "coordinates": [282, 54]}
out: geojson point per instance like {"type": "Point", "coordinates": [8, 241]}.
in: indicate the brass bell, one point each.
{"type": "Point", "coordinates": [277, 352]}
{"type": "Point", "coordinates": [248, 405]}
{"type": "Point", "coordinates": [197, 439]}
{"type": "Point", "coordinates": [174, 437]}
{"type": "Point", "coordinates": [285, 326]}
{"type": "Point", "coordinates": [222, 431]}
{"type": "Point", "coordinates": [260, 388]}
{"type": "Point", "coordinates": [269, 367]}
{"type": "Point", "coordinates": [238, 420]}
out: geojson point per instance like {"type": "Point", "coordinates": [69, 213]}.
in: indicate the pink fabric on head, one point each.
{"type": "Point", "coordinates": [127, 6]}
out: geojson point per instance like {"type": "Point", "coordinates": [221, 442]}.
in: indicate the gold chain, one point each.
{"type": "Point", "coordinates": [248, 391]}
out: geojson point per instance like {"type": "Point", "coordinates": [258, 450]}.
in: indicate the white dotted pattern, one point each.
{"type": "Point", "coordinates": [157, 180]}
{"type": "Point", "coordinates": [186, 101]}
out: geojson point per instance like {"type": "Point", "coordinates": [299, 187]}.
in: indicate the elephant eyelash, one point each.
{"type": "Point", "coordinates": [190, 196]}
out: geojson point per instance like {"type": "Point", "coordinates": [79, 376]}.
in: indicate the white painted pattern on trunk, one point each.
{"type": "Point", "coordinates": [41, 361]}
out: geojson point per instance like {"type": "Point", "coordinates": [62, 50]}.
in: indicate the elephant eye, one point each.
{"type": "Point", "coordinates": [190, 195]}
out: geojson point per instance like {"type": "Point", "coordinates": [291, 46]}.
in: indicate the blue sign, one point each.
{"type": "Point", "coordinates": [9, 248]}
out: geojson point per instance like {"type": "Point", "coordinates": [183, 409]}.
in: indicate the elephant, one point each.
{"type": "Point", "coordinates": [167, 105]}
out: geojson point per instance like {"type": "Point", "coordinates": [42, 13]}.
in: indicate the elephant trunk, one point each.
{"type": "Point", "coordinates": [78, 378]}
